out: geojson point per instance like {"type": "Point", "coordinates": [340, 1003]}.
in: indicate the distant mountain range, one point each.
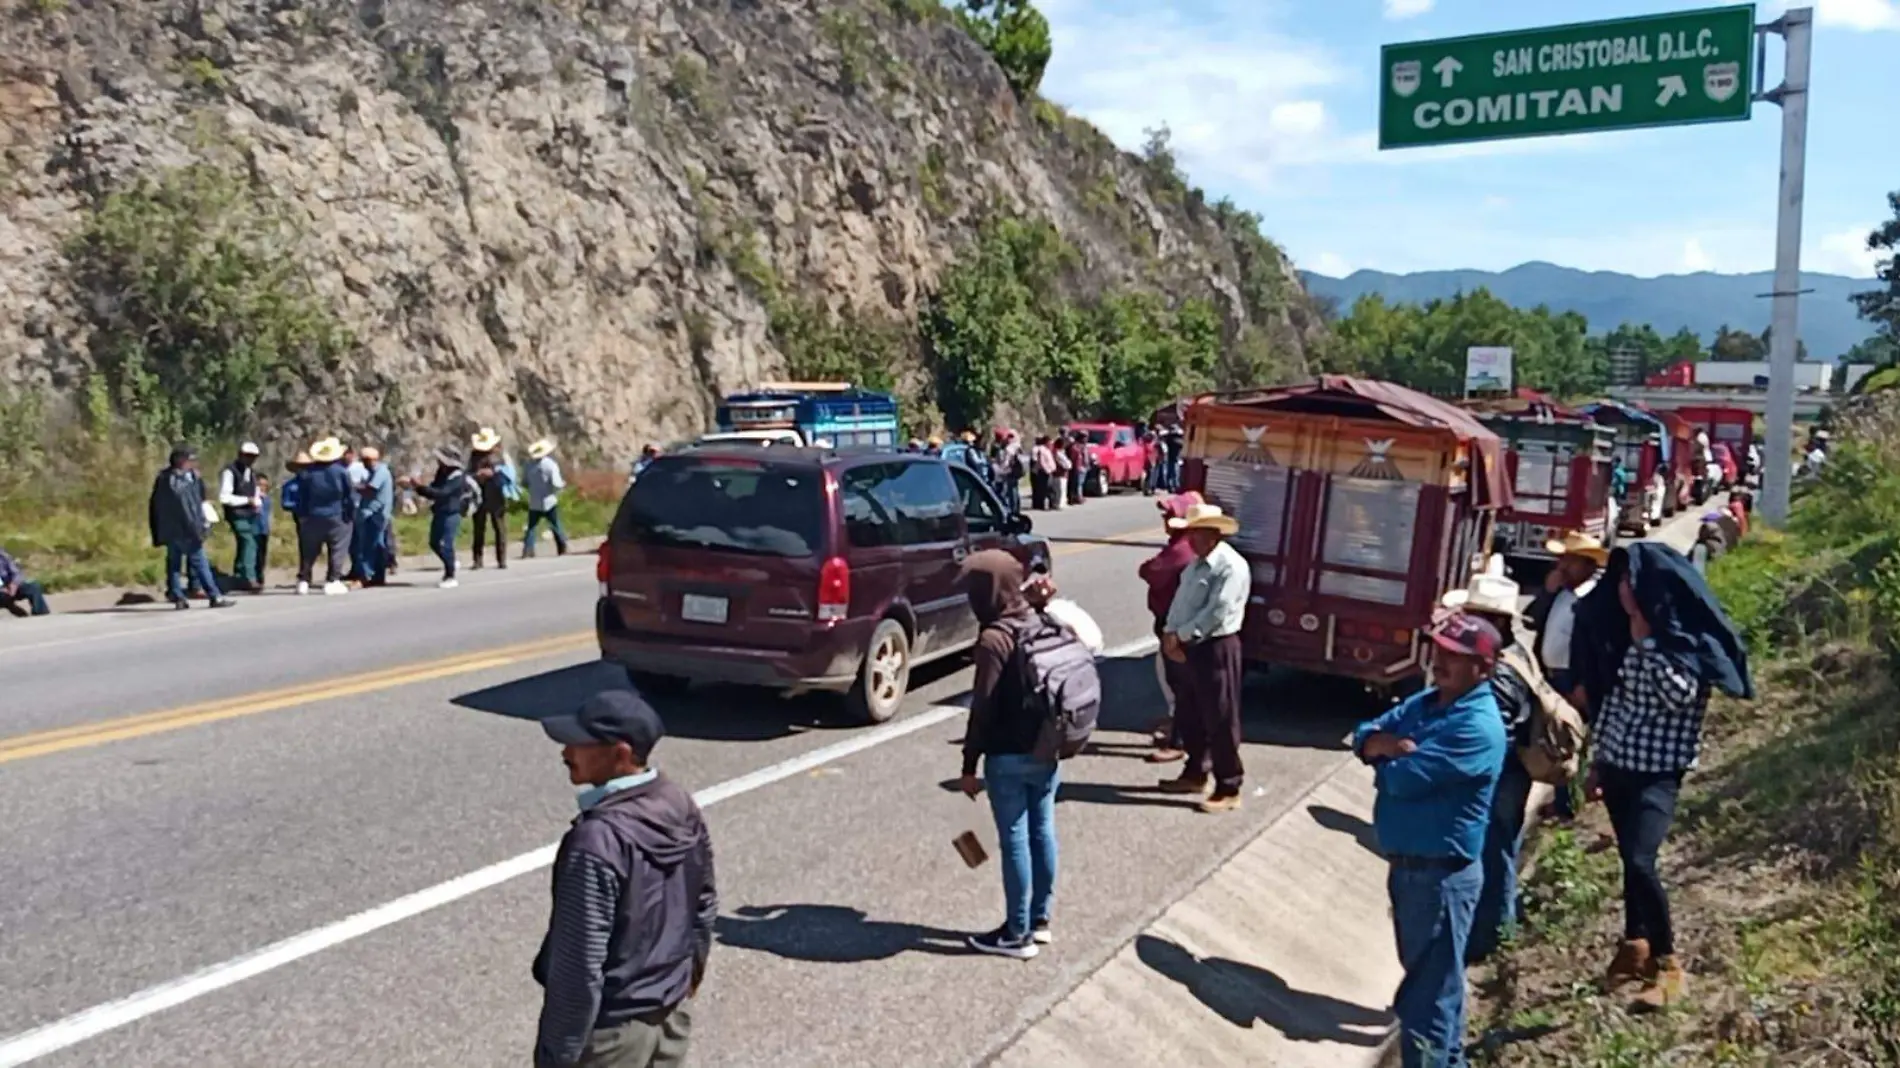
{"type": "Point", "coordinates": [1702, 302]}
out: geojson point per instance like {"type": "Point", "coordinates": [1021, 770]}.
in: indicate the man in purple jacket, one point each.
{"type": "Point", "coordinates": [634, 901]}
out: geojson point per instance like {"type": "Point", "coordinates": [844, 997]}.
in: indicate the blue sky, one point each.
{"type": "Point", "coordinates": [1275, 104]}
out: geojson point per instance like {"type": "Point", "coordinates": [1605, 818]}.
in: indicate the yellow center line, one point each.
{"type": "Point", "coordinates": [42, 743]}
{"type": "Point", "coordinates": [84, 735]}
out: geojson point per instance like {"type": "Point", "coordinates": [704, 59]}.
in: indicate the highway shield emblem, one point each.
{"type": "Point", "coordinates": [1406, 76]}
{"type": "Point", "coordinates": [1721, 80]}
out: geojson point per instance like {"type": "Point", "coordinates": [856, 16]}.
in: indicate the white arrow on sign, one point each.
{"type": "Point", "coordinates": [1448, 67]}
{"type": "Point", "coordinates": [1672, 87]}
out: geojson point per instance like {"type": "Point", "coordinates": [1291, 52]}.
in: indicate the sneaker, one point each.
{"type": "Point", "coordinates": [335, 589]}
{"type": "Point", "coordinates": [1040, 933]}
{"type": "Point", "coordinates": [447, 584]}
{"type": "Point", "coordinates": [303, 589]}
{"type": "Point", "coordinates": [180, 604]}
{"type": "Point", "coordinates": [223, 602]}
{"type": "Point", "coordinates": [1001, 943]}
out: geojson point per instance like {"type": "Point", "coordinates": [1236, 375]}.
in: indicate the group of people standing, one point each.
{"type": "Point", "coordinates": [342, 503]}
{"type": "Point", "coordinates": [1631, 644]}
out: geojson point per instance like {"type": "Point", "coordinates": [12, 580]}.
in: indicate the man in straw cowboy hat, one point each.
{"type": "Point", "coordinates": [1437, 756]}
{"type": "Point", "coordinates": [326, 509]}
{"type": "Point", "coordinates": [492, 483]}
{"type": "Point", "coordinates": [544, 496]}
{"type": "Point", "coordinates": [1493, 598]}
{"type": "Point", "coordinates": [1202, 632]}
{"type": "Point", "coordinates": [1579, 557]}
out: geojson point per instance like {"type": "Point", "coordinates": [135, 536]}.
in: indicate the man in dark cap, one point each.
{"type": "Point", "coordinates": [1437, 756]}
{"type": "Point", "coordinates": [180, 524]}
{"type": "Point", "coordinates": [634, 901]}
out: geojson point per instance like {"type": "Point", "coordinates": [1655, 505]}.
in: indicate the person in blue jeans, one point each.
{"type": "Point", "coordinates": [179, 525]}
{"type": "Point", "coordinates": [375, 504]}
{"type": "Point", "coordinates": [1437, 756]}
{"type": "Point", "coordinates": [446, 493]}
{"type": "Point", "coordinates": [1002, 734]}
{"type": "Point", "coordinates": [1493, 597]}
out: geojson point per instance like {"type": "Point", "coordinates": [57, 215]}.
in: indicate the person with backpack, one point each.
{"type": "Point", "coordinates": [1034, 701]}
{"type": "Point", "coordinates": [1202, 634]}
{"type": "Point", "coordinates": [1493, 597]}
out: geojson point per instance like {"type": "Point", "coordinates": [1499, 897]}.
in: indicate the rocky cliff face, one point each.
{"type": "Point", "coordinates": [560, 216]}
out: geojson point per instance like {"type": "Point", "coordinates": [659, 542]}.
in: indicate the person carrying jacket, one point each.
{"type": "Point", "coordinates": [1436, 758]}
{"type": "Point", "coordinates": [1493, 598]}
{"type": "Point", "coordinates": [1003, 731]}
{"type": "Point", "coordinates": [1655, 643]}
{"type": "Point", "coordinates": [631, 928]}
{"type": "Point", "coordinates": [326, 510]}
{"type": "Point", "coordinates": [176, 514]}
{"type": "Point", "coordinates": [446, 493]}
{"type": "Point", "coordinates": [1162, 573]}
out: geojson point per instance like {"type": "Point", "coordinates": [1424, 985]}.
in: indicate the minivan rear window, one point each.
{"type": "Point", "coordinates": [764, 509]}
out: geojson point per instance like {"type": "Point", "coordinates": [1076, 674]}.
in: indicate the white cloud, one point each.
{"type": "Point", "coordinates": [1694, 258]}
{"type": "Point", "coordinates": [1240, 97]}
{"type": "Point", "coordinates": [1405, 9]}
{"type": "Point", "coordinates": [1843, 252]}
{"type": "Point", "coordinates": [1331, 264]}
{"type": "Point", "coordinates": [1858, 14]}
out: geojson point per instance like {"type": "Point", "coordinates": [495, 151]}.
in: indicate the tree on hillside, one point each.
{"type": "Point", "coordinates": [1683, 346]}
{"type": "Point", "coordinates": [1732, 345]}
{"type": "Point", "coordinates": [1882, 306]}
{"type": "Point", "coordinates": [1016, 34]}
{"type": "Point", "coordinates": [1423, 346]}
{"type": "Point", "coordinates": [1768, 346]}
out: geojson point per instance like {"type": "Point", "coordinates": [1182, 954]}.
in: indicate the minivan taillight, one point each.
{"type": "Point", "coordinates": [834, 590]}
{"type": "Point", "coordinates": [603, 566]}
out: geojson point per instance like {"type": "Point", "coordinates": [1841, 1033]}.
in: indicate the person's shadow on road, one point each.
{"type": "Point", "coordinates": [1346, 823]}
{"type": "Point", "coordinates": [830, 934]}
{"type": "Point", "coordinates": [1242, 993]}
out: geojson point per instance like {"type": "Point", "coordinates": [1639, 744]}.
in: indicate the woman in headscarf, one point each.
{"type": "Point", "coordinates": [1654, 643]}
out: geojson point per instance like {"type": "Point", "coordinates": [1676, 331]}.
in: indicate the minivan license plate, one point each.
{"type": "Point", "coordinates": [695, 608]}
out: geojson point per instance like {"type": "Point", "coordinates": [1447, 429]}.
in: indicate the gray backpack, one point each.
{"type": "Point", "coordinates": [1059, 685]}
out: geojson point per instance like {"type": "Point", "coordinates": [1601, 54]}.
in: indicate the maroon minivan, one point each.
{"type": "Point", "coordinates": [798, 569]}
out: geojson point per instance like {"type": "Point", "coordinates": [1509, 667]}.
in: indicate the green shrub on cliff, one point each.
{"type": "Point", "coordinates": [1016, 34]}
{"type": "Point", "coordinates": [199, 308]}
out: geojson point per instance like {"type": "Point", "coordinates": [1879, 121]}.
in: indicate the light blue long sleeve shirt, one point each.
{"type": "Point", "coordinates": [1211, 601]}
{"type": "Point", "coordinates": [383, 498]}
{"type": "Point", "coordinates": [1434, 802]}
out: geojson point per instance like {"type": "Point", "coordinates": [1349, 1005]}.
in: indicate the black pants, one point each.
{"type": "Point", "coordinates": [1039, 496]}
{"type": "Point", "coordinates": [1207, 711]}
{"type": "Point", "coordinates": [483, 518]}
{"type": "Point", "coordinates": [1641, 806]}
{"type": "Point", "coordinates": [316, 535]}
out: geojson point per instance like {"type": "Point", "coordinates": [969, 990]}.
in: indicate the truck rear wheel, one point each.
{"type": "Point", "coordinates": [1097, 485]}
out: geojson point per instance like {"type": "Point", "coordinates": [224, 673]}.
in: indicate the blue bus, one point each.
{"type": "Point", "coordinates": [833, 413]}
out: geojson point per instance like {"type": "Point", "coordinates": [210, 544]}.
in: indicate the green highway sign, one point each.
{"type": "Point", "coordinates": [1620, 74]}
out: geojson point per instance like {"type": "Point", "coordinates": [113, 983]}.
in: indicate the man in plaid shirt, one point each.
{"type": "Point", "coordinates": [1649, 734]}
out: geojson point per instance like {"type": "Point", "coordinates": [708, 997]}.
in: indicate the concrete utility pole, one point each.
{"type": "Point", "coordinates": [1796, 28]}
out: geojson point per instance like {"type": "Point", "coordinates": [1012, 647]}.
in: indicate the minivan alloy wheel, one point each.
{"type": "Point", "coordinates": [884, 677]}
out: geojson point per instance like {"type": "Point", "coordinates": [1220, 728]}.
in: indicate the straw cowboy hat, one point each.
{"type": "Point", "coordinates": [1577, 543]}
{"type": "Point", "coordinates": [329, 450]}
{"type": "Point", "coordinates": [485, 439]}
{"type": "Point", "coordinates": [1206, 517]}
{"type": "Point", "coordinates": [540, 448]}
{"type": "Point", "coordinates": [1489, 592]}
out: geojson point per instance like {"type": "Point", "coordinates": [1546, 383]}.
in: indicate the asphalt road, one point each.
{"type": "Point", "coordinates": [314, 831]}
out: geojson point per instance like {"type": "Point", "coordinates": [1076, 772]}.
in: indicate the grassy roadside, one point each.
{"type": "Point", "coordinates": [1784, 866]}
{"type": "Point", "coordinates": [77, 518]}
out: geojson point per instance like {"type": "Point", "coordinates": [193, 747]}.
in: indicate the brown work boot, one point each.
{"type": "Point", "coordinates": [1164, 755]}
{"type": "Point", "coordinates": [1186, 784]}
{"type": "Point", "coordinates": [1221, 802]}
{"type": "Point", "coordinates": [1631, 965]}
{"type": "Point", "coordinates": [1667, 985]}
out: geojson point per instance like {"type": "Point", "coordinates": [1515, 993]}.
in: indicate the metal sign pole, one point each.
{"type": "Point", "coordinates": [1796, 27]}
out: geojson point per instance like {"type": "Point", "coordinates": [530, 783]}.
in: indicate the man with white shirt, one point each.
{"type": "Point", "coordinates": [1579, 558]}
{"type": "Point", "coordinates": [1202, 632]}
{"type": "Point", "coordinates": [238, 494]}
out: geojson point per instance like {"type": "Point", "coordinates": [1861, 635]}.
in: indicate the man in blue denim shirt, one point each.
{"type": "Point", "coordinates": [1437, 757]}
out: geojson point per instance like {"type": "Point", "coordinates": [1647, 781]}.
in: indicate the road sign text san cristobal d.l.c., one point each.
{"type": "Point", "coordinates": [1655, 70]}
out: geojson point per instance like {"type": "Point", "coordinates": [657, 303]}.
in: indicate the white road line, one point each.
{"type": "Point", "coordinates": [91, 1023]}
